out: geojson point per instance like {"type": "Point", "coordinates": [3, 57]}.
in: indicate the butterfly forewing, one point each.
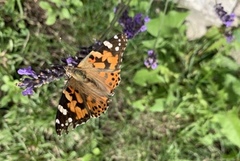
{"type": "Point", "coordinates": [91, 84]}
{"type": "Point", "coordinates": [109, 55]}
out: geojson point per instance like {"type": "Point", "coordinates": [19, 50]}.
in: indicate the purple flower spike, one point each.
{"type": "Point", "coordinates": [229, 36]}
{"type": "Point", "coordinates": [37, 80]}
{"type": "Point", "coordinates": [71, 61]}
{"type": "Point", "coordinates": [51, 74]}
{"type": "Point", "coordinates": [28, 84]}
{"type": "Point", "coordinates": [146, 19]}
{"type": "Point", "coordinates": [151, 60]}
{"type": "Point", "coordinates": [27, 71]}
{"type": "Point", "coordinates": [227, 19]}
{"type": "Point", "coordinates": [27, 91]}
{"type": "Point", "coordinates": [133, 26]}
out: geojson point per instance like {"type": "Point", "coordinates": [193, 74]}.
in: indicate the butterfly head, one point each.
{"type": "Point", "coordinates": [76, 73]}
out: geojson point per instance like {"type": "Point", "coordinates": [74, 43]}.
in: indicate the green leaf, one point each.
{"type": "Point", "coordinates": [96, 151]}
{"type": "Point", "coordinates": [207, 139]}
{"type": "Point", "coordinates": [87, 157]}
{"type": "Point", "coordinates": [139, 104]}
{"type": "Point", "coordinates": [10, 45]}
{"type": "Point", "coordinates": [5, 87]}
{"type": "Point", "coordinates": [57, 2]}
{"type": "Point", "coordinates": [175, 19]}
{"type": "Point", "coordinates": [6, 79]}
{"type": "Point", "coordinates": [147, 76]}
{"type": "Point", "coordinates": [158, 105]}
{"type": "Point", "coordinates": [232, 82]}
{"type": "Point", "coordinates": [164, 25]}
{"type": "Point", "coordinates": [65, 13]}
{"type": "Point", "coordinates": [224, 61]}
{"type": "Point", "coordinates": [236, 34]}
{"type": "Point", "coordinates": [140, 77]}
{"type": "Point", "coordinates": [236, 87]}
{"type": "Point", "coordinates": [51, 19]}
{"type": "Point", "coordinates": [45, 5]}
{"type": "Point", "coordinates": [217, 44]}
{"type": "Point", "coordinates": [151, 43]}
{"type": "Point", "coordinates": [144, 5]}
{"type": "Point", "coordinates": [133, 2]}
{"type": "Point", "coordinates": [77, 3]}
{"type": "Point", "coordinates": [212, 32]}
{"type": "Point", "coordinates": [94, 143]}
{"type": "Point", "coordinates": [4, 100]}
{"type": "Point", "coordinates": [230, 125]}
{"type": "Point", "coordinates": [229, 80]}
{"type": "Point", "coordinates": [153, 26]}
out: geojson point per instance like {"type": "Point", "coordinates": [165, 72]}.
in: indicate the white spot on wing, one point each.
{"type": "Point", "coordinates": [69, 119]}
{"type": "Point", "coordinates": [57, 121]}
{"type": "Point", "coordinates": [62, 110]}
{"type": "Point", "coordinates": [115, 37]}
{"type": "Point", "coordinates": [116, 48]}
{"type": "Point", "coordinates": [108, 44]}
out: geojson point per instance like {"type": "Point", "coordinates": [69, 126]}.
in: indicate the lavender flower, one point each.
{"type": "Point", "coordinates": [27, 71]}
{"type": "Point", "coordinates": [51, 74]}
{"type": "Point", "coordinates": [45, 76]}
{"type": "Point", "coordinates": [227, 19]}
{"type": "Point", "coordinates": [133, 25]}
{"type": "Point", "coordinates": [229, 36]}
{"type": "Point", "coordinates": [151, 60]}
{"type": "Point", "coordinates": [28, 86]}
{"type": "Point", "coordinates": [71, 61]}
{"type": "Point", "coordinates": [28, 91]}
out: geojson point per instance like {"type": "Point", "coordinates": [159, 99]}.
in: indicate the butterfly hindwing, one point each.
{"type": "Point", "coordinates": [71, 110]}
{"type": "Point", "coordinates": [91, 84]}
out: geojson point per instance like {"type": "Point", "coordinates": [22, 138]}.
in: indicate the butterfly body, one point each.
{"type": "Point", "coordinates": [90, 84]}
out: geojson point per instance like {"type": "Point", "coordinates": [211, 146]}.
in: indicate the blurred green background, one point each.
{"type": "Point", "coordinates": [186, 109]}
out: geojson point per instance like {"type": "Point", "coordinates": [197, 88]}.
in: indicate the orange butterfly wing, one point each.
{"type": "Point", "coordinates": [91, 84]}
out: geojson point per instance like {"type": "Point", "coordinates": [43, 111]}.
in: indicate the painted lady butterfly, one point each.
{"type": "Point", "coordinates": [91, 84]}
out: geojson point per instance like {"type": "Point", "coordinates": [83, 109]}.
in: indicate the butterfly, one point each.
{"type": "Point", "coordinates": [91, 84]}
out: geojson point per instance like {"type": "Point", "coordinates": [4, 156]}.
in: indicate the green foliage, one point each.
{"type": "Point", "coordinates": [10, 88]}
{"type": "Point", "coordinates": [230, 125]}
{"type": "Point", "coordinates": [67, 8]}
{"type": "Point", "coordinates": [185, 109]}
{"type": "Point", "coordinates": [166, 25]}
